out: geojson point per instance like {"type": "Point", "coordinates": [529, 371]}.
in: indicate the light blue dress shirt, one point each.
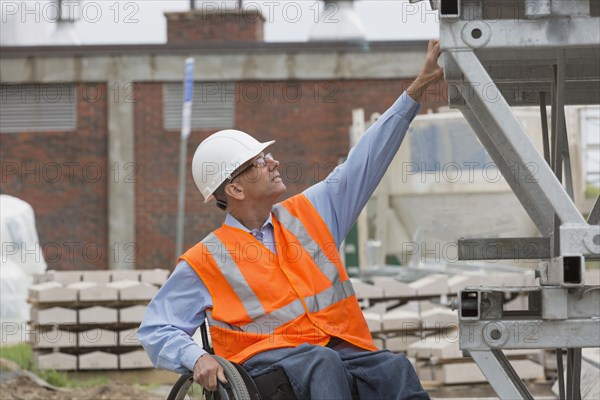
{"type": "Point", "coordinates": [177, 310]}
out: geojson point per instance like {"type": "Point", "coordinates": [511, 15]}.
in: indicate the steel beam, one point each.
{"type": "Point", "coordinates": [511, 140]}
{"type": "Point", "coordinates": [500, 374]}
{"type": "Point", "coordinates": [594, 217]}
{"type": "Point", "coordinates": [554, 33]}
{"type": "Point", "coordinates": [525, 248]}
{"type": "Point", "coordinates": [540, 212]}
{"type": "Point", "coordinates": [529, 334]}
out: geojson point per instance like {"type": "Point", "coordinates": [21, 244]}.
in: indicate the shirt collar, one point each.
{"type": "Point", "coordinates": [230, 220]}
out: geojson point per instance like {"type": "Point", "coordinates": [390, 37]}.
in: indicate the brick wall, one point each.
{"type": "Point", "coordinates": [216, 25]}
{"type": "Point", "coordinates": [309, 120]}
{"type": "Point", "coordinates": [64, 176]}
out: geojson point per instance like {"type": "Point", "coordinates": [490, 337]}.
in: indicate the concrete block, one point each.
{"type": "Point", "coordinates": [512, 279]}
{"type": "Point", "coordinates": [53, 315]}
{"type": "Point", "coordinates": [154, 276]}
{"type": "Point", "coordinates": [400, 320]}
{"type": "Point", "coordinates": [469, 372]}
{"type": "Point", "coordinates": [366, 291]}
{"type": "Point", "coordinates": [56, 361]}
{"type": "Point", "coordinates": [417, 306]}
{"type": "Point", "coordinates": [98, 360]}
{"type": "Point", "coordinates": [425, 371]}
{"type": "Point", "coordinates": [132, 314]}
{"type": "Point", "coordinates": [93, 291]}
{"type": "Point", "coordinates": [549, 359]}
{"type": "Point", "coordinates": [43, 339]}
{"type": "Point", "coordinates": [529, 278]}
{"type": "Point", "coordinates": [373, 321]}
{"type": "Point", "coordinates": [534, 354]}
{"type": "Point", "coordinates": [434, 346]}
{"type": "Point", "coordinates": [41, 278]}
{"type": "Point", "coordinates": [592, 276]}
{"type": "Point", "coordinates": [134, 290]}
{"type": "Point", "coordinates": [505, 279]}
{"type": "Point", "coordinates": [457, 283]}
{"type": "Point", "coordinates": [432, 285]}
{"type": "Point", "coordinates": [98, 276]}
{"type": "Point", "coordinates": [378, 342]}
{"type": "Point", "coordinates": [51, 292]}
{"type": "Point", "coordinates": [134, 360]}
{"type": "Point", "coordinates": [98, 315]}
{"type": "Point", "coordinates": [439, 318]}
{"type": "Point", "coordinates": [124, 275]}
{"type": "Point", "coordinates": [98, 338]}
{"type": "Point", "coordinates": [393, 287]}
{"type": "Point", "coordinates": [129, 337]}
{"type": "Point", "coordinates": [381, 307]}
{"type": "Point", "coordinates": [518, 303]}
{"type": "Point", "coordinates": [400, 343]}
{"type": "Point", "coordinates": [65, 277]}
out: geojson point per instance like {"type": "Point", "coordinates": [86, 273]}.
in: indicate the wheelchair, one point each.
{"type": "Point", "coordinates": [273, 385]}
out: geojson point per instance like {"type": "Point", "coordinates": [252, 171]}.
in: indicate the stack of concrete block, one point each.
{"type": "Point", "coordinates": [397, 328]}
{"type": "Point", "coordinates": [420, 308]}
{"type": "Point", "coordinates": [415, 318]}
{"type": "Point", "coordinates": [86, 320]}
{"type": "Point", "coordinates": [439, 360]}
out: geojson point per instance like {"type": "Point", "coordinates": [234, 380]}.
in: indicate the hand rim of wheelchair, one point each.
{"type": "Point", "coordinates": [235, 389]}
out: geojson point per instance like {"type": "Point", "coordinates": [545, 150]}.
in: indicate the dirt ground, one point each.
{"type": "Point", "coordinates": [23, 388]}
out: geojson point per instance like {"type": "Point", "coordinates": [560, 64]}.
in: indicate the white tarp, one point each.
{"type": "Point", "coordinates": [21, 256]}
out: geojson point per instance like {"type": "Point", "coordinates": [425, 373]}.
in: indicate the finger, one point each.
{"type": "Point", "coordinates": [432, 43]}
{"type": "Point", "coordinates": [212, 382]}
{"type": "Point", "coordinates": [221, 376]}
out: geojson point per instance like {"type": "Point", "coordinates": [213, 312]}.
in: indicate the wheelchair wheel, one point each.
{"type": "Point", "coordinates": [186, 389]}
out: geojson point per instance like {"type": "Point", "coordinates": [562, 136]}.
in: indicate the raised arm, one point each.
{"type": "Point", "coordinates": [343, 194]}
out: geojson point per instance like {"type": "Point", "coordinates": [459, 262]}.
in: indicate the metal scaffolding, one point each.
{"type": "Point", "coordinates": [516, 53]}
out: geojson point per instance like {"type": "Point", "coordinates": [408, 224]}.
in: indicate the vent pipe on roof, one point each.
{"type": "Point", "coordinates": [69, 12]}
{"type": "Point", "coordinates": [338, 20]}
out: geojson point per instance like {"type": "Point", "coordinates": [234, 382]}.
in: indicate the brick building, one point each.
{"type": "Point", "coordinates": [90, 134]}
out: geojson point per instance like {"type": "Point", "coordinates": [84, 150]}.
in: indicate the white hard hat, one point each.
{"type": "Point", "coordinates": [219, 155]}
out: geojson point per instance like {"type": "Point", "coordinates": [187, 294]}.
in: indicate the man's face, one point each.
{"type": "Point", "coordinates": [261, 179]}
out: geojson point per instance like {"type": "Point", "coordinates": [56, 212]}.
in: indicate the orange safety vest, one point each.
{"type": "Point", "coordinates": [263, 301]}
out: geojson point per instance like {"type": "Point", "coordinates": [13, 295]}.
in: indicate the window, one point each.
{"type": "Point", "coordinates": [37, 107]}
{"type": "Point", "coordinates": [213, 105]}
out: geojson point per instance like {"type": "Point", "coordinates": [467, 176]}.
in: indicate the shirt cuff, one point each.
{"type": "Point", "coordinates": [190, 355]}
{"type": "Point", "coordinates": [406, 107]}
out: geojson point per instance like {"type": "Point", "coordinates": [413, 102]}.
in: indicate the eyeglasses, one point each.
{"type": "Point", "coordinates": [258, 163]}
{"type": "Point", "coordinates": [261, 161]}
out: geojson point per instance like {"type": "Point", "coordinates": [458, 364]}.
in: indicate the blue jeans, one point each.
{"type": "Point", "coordinates": [325, 373]}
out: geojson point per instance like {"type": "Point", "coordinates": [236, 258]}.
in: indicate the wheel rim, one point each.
{"type": "Point", "coordinates": [235, 389]}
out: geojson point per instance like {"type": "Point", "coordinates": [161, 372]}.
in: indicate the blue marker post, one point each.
{"type": "Point", "coordinates": [188, 90]}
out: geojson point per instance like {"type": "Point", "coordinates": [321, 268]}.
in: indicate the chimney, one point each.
{"type": "Point", "coordinates": [215, 23]}
{"type": "Point", "coordinates": [338, 21]}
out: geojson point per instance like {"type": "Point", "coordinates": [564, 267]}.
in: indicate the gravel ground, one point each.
{"type": "Point", "coordinates": [24, 388]}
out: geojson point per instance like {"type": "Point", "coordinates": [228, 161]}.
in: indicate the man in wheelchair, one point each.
{"type": "Point", "coordinates": [270, 281]}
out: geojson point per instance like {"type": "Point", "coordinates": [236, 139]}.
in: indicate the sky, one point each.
{"type": "Point", "coordinates": [143, 21]}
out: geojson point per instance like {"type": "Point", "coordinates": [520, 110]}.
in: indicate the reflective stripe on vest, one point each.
{"type": "Point", "coordinates": [294, 225]}
{"type": "Point", "coordinates": [264, 323]}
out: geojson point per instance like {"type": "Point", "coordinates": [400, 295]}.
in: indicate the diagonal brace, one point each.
{"type": "Point", "coordinates": [509, 137]}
